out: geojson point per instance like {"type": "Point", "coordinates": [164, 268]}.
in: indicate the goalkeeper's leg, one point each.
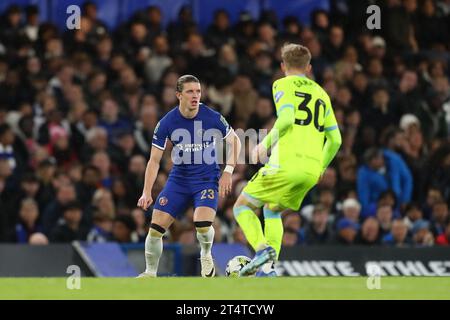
{"type": "Point", "coordinates": [244, 213]}
{"type": "Point", "coordinates": [273, 227]}
{"type": "Point", "coordinates": [161, 221]}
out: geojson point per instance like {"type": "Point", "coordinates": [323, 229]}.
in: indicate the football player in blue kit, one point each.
{"type": "Point", "coordinates": [195, 179]}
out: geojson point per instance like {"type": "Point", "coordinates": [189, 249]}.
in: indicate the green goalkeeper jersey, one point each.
{"type": "Point", "coordinates": [301, 147]}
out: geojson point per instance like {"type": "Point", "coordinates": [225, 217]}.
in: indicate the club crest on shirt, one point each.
{"type": "Point", "coordinates": [163, 201]}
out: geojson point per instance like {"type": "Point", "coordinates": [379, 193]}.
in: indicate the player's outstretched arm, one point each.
{"type": "Point", "coordinates": [225, 182]}
{"type": "Point", "coordinates": [150, 176]}
{"type": "Point", "coordinates": [331, 147]}
{"type": "Point", "coordinates": [285, 120]}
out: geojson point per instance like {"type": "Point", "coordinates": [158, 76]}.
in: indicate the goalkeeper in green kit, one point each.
{"type": "Point", "coordinates": [299, 155]}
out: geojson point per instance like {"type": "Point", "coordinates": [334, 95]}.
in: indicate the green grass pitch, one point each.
{"type": "Point", "coordinates": [172, 288]}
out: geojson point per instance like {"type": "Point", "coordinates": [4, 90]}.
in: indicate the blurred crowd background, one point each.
{"type": "Point", "coordinates": [78, 109]}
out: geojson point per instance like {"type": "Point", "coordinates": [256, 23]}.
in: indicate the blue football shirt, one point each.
{"type": "Point", "coordinates": [194, 141]}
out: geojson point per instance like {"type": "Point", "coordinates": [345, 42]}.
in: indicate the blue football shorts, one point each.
{"type": "Point", "coordinates": [178, 194]}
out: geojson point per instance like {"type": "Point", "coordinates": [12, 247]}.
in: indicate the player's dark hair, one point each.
{"type": "Point", "coordinates": [185, 79]}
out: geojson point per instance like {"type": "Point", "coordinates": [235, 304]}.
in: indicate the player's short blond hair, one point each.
{"type": "Point", "coordinates": [295, 56]}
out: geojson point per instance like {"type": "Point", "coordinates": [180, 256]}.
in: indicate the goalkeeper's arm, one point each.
{"type": "Point", "coordinates": [285, 120]}
{"type": "Point", "coordinates": [334, 141]}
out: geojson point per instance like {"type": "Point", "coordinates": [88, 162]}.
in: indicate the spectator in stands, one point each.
{"type": "Point", "coordinates": [158, 61]}
{"type": "Point", "coordinates": [9, 148]}
{"type": "Point", "coordinates": [110, 119]}
{"type": "Point", "coordinates": [386, 198]}
{"type": "Point", "coordinates": [102, 161]}
{"type": "Point", "coordinates": [121, 196]}
{"type": "Point", "coordinates": [101, 230]}
{"type": "Point", "coordinates": [31, 27]}
{"type": "Point", "coordinates": [124, 229]}
{"type": "Point", "coordinates": [96, 141]}
{"type": "Point", "coordinates": [379, 115]}
{"type": "Point", "coordinates": [69, 228]}
{"type": "Point", "coordinates": [384, 215]}
{"type": "Point", "coordinates": [123, 149]}
{"type": "Point", "coordinates": [179, 29]}
{"type": "Point", "coordinates": [370, 232]}
{"type": "Point", "coordinates": [334, 45]}
{"type": "Point", "coordinates": [244, 31]}
{"type": "Point", "coordinates": [439, 171]}
{"type": "Point", "coordinates": [54, 210]}
{"type": "Point", "coordinates": [351, 209]}
{"type": "Point", "coordinates": [326, 197]}
{"type": "Point", "coordinates": [412, 213]}
{"type": "Point", "coordinates": [90, 11]}
{"type": "Point", "coordinates": [398, 236]}
{"type": "Point", "coordinates": [10, 33]}
{"type": "Point", "coordinates": [135, 177]}
{"type": "Point", "coordinates": [383, 169]}
{"type": "Point", "coordinates": [143, 133]}
{"type": "Point", "coordinates": [320, 24]}
{"type": "Point", "coordinates": [292, 220]}
{"type": "Point", "coordinates": [153, 20]}
{"type": "Point", "coordinates": [29, 188]}
{"type": "Point", "coordinates": [444, 238]}
{"type": "Point", "coordinates": [290, 237]}
{"type": "Point", "coordinates": [28, 220]}
{"type": "Point", "coordinates": [439, 218]}
{"type": "Point", "coordinates": [245, 98]}
{"type": "Point", "coordinates": [421, 234]}
{"type": "Point", "coordinates": [219, 32]}
{"type": "Point", "coordinates": [433, 30]}
{"type": "Point", "coordinates": [102, 201]}
{"type": "Point", "coordinates": [318, 231]}
{"type": "Point", "coordinates": [90, 182]}
{"type": "Point", "coordinates": [400, 25]}
{"type": "Point", "coordinates": [347, 231]}
{"type": "Point", "coordinates": [263, 114]}
{"type": "Point", "coordinates": [434, 195]}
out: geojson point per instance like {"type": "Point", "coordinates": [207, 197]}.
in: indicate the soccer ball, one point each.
{"type": "Point", "coordinates": [235, 265]}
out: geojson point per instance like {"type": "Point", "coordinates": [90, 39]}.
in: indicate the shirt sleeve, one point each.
{"type": "Point", "coordinates": [332, 133]}
{"type": "Point", "coordinates": [160, 135]}
{"type": "Point", "coordinates": [330, 122]}
{"type": "Point", "coordinates": [282, 95]}
{"type": "Point", "coordinates": [223, 126]}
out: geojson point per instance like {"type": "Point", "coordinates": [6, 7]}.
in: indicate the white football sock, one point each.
{"type": "Point", "coordinates": [153, 251]}
{"type": "Point", "coordinates": [206, 240]}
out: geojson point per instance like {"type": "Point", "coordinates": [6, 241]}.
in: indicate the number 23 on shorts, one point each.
{"type": "Point", "coordinates": [207, 193]}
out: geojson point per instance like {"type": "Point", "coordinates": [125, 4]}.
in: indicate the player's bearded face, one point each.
{"type": "Point", "coordinates": [190, 96]}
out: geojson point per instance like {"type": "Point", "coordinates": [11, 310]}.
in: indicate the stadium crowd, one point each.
{"type": "Point", "coordinates": [78, 109]}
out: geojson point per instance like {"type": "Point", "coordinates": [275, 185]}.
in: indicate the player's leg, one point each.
{"type": "Point", "coordinates": [273, 226]}
{"type": "Point", "coordinates": [170, 202]}
{"type": "Point", "coordinates": [203, 219]}
{"type": "Point", "coordinates": [244, 213]}
{"type": "Point", "coordinates": [273, 231]}
{"type": "Point", "coordinates": [161, 221]}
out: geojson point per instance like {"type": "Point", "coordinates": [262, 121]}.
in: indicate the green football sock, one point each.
{"type": "Point", "coordinates": [251, 226]}
{"type": "Point", "coordinates": [273, 229]}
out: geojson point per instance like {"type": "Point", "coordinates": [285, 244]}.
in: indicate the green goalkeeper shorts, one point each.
{"type": "Point", "coordinates": [279, 187]}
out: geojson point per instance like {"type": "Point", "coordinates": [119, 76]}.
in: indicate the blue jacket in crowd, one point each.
{"type": "Point", "coordinates": [372, 183]}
